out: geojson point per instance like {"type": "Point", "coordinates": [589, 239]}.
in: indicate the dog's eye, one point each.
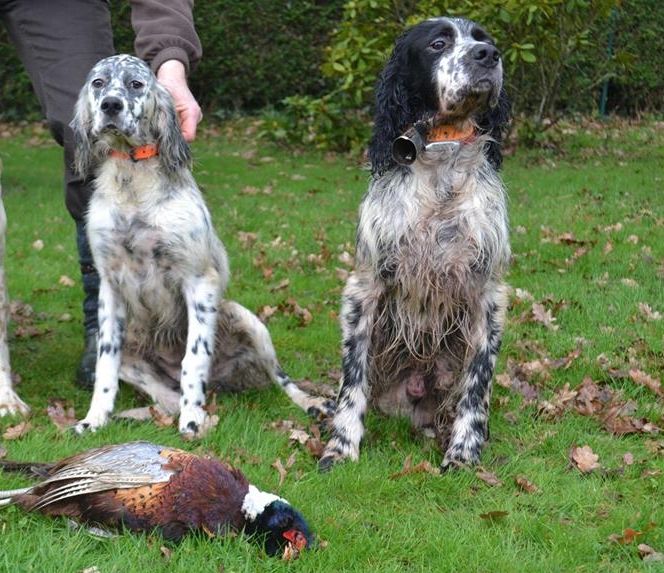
{"type": "Point", "coordinates": [97, 83]}
{"type": "Point", "coordinates": [438, 44]}
{"type": "Point", "coordinates": [135, 84]}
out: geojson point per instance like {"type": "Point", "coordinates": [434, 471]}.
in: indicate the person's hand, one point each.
{"type": "Point", "coordinates": [171, 74]}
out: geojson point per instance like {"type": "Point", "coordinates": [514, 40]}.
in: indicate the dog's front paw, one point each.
{"type": "Point", "coordinates": [460, 455]}
{"type": "Point", "coordinates": [11, 404]}
{"type": "Point", "coordinates": [337, 450]}
{"type": "Point", "coordinates": [91, 423]}
{"type": "Point", "coordinates": [194, 422]}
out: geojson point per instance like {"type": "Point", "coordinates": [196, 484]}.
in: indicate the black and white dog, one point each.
{"type": "Point", "coordinates": [10, 403]}
{"type": "Point", "coordinates": [423, 313]}
{"type": "Point", "coordinates": [164, 326]}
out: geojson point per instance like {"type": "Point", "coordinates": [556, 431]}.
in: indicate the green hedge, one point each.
{"type": "Point", "coordinates": [256, 52]}
{"type": "Point", "coordinates": [322, 57]}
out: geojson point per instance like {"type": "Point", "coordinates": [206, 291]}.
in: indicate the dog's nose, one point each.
{"type": "Point", "coordinates": [111, 105]}
{"type": "Point", "coordinates": [486, 55]}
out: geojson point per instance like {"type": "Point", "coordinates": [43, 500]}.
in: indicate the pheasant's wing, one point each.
{"type": "Point", "coordinates": [119, 466]}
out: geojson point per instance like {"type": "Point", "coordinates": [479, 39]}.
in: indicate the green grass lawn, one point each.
{"type": "Point", "coordinates": [588, 240]}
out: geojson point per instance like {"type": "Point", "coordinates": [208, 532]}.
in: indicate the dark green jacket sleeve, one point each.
{"type": "Point", "coordinates": [165, 31]}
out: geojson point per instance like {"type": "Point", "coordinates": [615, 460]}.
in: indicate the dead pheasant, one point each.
{"type": "Point", "coordinates": [148, 487]}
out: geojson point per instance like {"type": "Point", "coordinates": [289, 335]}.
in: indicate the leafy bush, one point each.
{"type": "Point", "coordinates": [544, 43]}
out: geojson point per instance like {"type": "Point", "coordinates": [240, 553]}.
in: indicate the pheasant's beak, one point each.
{"type": "Point", "coordinates": [296, 543]}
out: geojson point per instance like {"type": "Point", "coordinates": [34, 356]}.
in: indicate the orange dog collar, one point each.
{"type": "Point", "coordinates": [137, 153]}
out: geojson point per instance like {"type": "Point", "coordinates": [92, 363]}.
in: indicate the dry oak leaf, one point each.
{"type": "Point", "coordinates": [584, 459]}
{"type": "Point", "coordinates": [646, 380]}
{"type": "Point", "coordinates": [648, 313]}
{"type": "Point", "coordinates": [17, 431]}
{"type": "Point", "coordinates": [629, 534]}
{"type": "Point", "coordinates": [524, 484]}
{"type": "Point", "coordinates": [266, 312]}
{"type": "Point", "coordinates": [61, 414]}
{"type": "Point", "coordinates": [408, 468]}
{"type": "Point", "coordinates": [489, 478]}
{"type": "Point", "coordinates": [543, 316]}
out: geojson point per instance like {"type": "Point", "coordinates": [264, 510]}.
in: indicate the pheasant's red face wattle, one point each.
{"type": "Point", "coordinates": [296, 543]}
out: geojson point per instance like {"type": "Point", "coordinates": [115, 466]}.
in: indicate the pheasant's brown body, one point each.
{"type": "Point", "coordinates": [143, 487]}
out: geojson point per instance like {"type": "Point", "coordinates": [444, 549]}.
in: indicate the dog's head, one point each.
{"type": "Point", "coordinates": [121, 106]}
{"type": "Point", "coordinates": [449, 68]}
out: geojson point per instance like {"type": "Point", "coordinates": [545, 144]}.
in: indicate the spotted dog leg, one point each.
{"type": "Point", "coordinates": [10, 403]}
{"type": "Point", "coordinates": [112, 319]}
{"type": "Point", "coordinates": [471, 423]}
{"type": "Point", "coordinates": [357, 318]}
{"type": "Point", "coordinates": [201, 295]}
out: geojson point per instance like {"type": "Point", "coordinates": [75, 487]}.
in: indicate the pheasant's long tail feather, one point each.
{"type": "Point", "coordinates": [7, 495]}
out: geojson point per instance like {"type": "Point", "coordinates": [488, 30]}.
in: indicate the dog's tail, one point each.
{"type": "Point", "coordinates": [316, 406]}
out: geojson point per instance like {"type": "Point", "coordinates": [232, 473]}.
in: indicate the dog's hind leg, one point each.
{"type": "Point", "coordinates": [246, 359]}
{"type": "Point", "coordinates": [357, 319]}
{"type": "Point", "coordinates": [471, 422]}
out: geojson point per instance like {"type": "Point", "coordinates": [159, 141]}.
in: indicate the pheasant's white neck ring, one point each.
{"type": "Point", "coordinates": [256, 501]}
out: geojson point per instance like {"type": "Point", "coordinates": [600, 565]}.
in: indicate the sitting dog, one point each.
{"type": "Point", "coordinates": [423, 313]}
{"type": "Point", "coordinates": [164, 326]}
{"type": "Point", "coordinates": [10, 403]}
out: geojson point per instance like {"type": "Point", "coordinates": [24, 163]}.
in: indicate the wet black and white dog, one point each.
{"type": "Point", "coordinates": [164, 326]}
{"type": "Point", "coordinates": [423, 313]}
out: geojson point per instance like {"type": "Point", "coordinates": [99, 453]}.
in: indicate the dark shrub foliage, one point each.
{"type": "Point", "coordinates": [256, 53]}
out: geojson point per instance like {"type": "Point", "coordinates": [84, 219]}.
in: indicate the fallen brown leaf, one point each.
{"type": "Point", "coordinates": [17, 431]}
{"type": "Point", "coordinates": [246, 239]}
{"type": "Point", "coordinates": [61, 414]}
{"type": "Point", "coordinates": [160, 417]}
{"type": "Point", "coordinates": [525, 484]}
{"type": "Point", "coordinates": [299, 436]}
{"type": "Point", "coordinates": [408, 468]}
{"type": "Point", "coordinates": [489, 478]}
{"type": "Point", "coordinates": [584, 459]}
{"type": "Point", "coordinates": [281, 285]}
{"type": "Point", "coordinates": [266, 312]}
{"type": "Point", "coordinates": [628, 536]}
{"type": "Point", "coordinates": [628, 458]}
{"type": "Point", "coordinates": [648, 313]}
{"type": "Point", "coordinates": [646, 380]}
{"type": "Point", "coordinates": [543, 316]}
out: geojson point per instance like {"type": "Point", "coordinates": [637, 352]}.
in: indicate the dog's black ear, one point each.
{"type": "Point", "coordinates": [81, 125]}
{"type": "Point", "coordinates": [393, 113]}
{"type": "Point", "coordinates": [495, 121]}
{"type": "Point", "coordinates": [174, 152]}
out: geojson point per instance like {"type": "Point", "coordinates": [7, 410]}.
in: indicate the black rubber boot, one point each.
{"type": "Point", "coordinates": [85, 375]}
